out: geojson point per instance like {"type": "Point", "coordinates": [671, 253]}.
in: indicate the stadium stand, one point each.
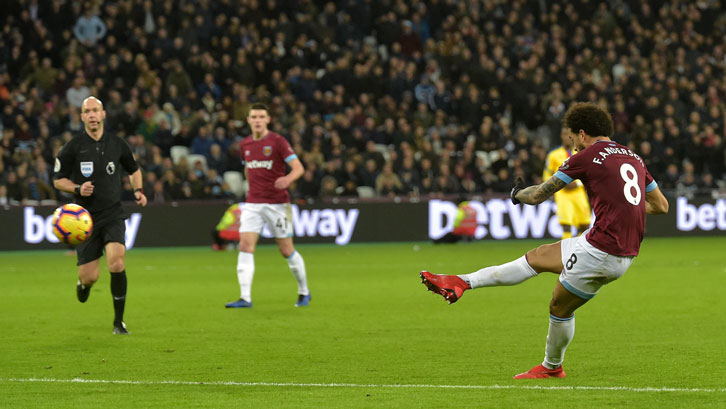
{"type": "Point", "coordinates": [458, 97]}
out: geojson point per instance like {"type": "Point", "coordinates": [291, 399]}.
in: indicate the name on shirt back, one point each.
{"type": "Point", "coordinates": [615, 151]}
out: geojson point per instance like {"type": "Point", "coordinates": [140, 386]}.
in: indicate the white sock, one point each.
{"type": "Point", "coordinates": [511, 273]}
{"type": "Point", "coordinates": [297, 267]}
{"type": "Point", "coordinates": [559, 335]}
{"type": "Point", "coordinates": [245, 272]}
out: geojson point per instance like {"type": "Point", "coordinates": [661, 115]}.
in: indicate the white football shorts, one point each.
{"type": "Point", "coordinates": [587, 268]}
{"type": "Point", "coordinates": [277, 216]}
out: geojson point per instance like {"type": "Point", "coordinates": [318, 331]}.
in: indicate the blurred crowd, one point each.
{"type": "Point", "coordinates": [377, 97]}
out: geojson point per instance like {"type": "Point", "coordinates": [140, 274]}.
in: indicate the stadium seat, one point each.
{"type": "Point", "coordinates": [192, 159]}
{"type": "Point", "coordinates": [484, 156]}
{"type": "Point", "coordinates": [383, 149]}
{"type": "Point", "coordinates": [236, 183]}
{"type": "Point", "coordinates": [366, 191]}
{"type": "Point", "coordinates": [177, 152]}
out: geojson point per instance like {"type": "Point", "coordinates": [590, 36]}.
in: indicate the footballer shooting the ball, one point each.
{"type": "Point", "coordinates": [621, 191]}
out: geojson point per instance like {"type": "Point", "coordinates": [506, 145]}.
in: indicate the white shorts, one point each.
{"type": "Point", "coordinates": [277, 217]}
{"type": "Point", "coordinates": [587, 268]}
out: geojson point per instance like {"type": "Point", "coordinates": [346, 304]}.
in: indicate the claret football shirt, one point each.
{"type": "Point", "coordinates": [616, 180]}
{"type": "Point", "coordinates": [265, 161]}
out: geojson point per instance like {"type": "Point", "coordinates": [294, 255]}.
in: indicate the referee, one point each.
{"type": "Point", "coordinates": [89, 166]}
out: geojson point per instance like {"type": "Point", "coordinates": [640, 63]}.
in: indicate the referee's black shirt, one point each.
{"type": "Point", "coordinates": [83, 159]}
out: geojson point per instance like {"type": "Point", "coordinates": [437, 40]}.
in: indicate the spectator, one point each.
{"type": "Point", "coordinates": [202, 143]}
{"type": "Point", "coordinates": [328, 186]}
{"type": "Point", "coordinates": [348, 86]}
{"type": "Point", "coordinates": [159, 194]}
{"type": "Point", "coordinates": [78, 91]}
{"type": "Point", "coordinates": [387, 182]}
{"type": "Point", "coordinates": [5, 200]}
{"type": "Point", "coordinates": [14, 188]}
{"type": "Point", "coordinates": [217, 160]}
{"type": "Point", "coordinates": [89, 27]}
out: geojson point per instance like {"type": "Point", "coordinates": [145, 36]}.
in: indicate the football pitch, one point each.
{"type": "Point", "coordinates": [371, 337]}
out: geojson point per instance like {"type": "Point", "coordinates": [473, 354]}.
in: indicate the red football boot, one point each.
{"type": "Point", "coordinates": [539, 372]}
{"type": "Point", "coordinates": [448, 286]}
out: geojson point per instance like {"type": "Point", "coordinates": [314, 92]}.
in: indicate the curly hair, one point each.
{"type": "Point", "coordinates": [589, 117]}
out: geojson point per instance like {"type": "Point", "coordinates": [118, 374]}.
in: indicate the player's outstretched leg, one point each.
{"type": "Point", "coordinates": [511, 273]}
{"type": "Point", "coordinates": [540, 372]}
{"type": "Point", "coordinates": [82, 291]}
{"type": "Point", "coordinates": [450, 287]}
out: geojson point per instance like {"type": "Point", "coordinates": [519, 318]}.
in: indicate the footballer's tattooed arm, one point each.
{"type": "Point", "coordinates": [539, 193]}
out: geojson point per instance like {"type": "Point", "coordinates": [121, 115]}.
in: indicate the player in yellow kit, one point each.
{"type": "Point", "coordinates": [573, 208]}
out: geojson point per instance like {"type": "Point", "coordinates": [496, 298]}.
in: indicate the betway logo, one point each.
{"type": "Point", "coordinates": [257, 164]}
{"type": "Point", "coordinates": [37, 228]}
{"type": "Point", "coordinates": [338, 223]}
{"type": "Point", "coordinates": [524, 221]}
{"type": "Point", "coordinates": [706, 216]}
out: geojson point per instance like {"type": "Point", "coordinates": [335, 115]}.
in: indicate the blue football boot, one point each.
{"type": "Point", "coordinates": [239, 304]}
{"type": "Point", "coordinates": [302, 300]}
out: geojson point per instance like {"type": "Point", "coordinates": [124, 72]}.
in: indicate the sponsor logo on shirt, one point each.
{"type": "Point", "coordinates": [259, 164]}
{"type": "Point", "coordinates": [110, 168]}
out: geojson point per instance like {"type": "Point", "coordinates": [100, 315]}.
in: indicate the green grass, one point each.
{"type": "Point", "coordinates": [372, 337]}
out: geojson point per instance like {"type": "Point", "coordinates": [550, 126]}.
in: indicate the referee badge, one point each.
{"type": "Point", "coordinates": [267, 150]}
{"type": "Point", "coordinates": [110, 168]}
{"type": "Point", "coordinates": [86, 169]}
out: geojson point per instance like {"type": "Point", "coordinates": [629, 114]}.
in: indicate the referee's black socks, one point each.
{"type": "Point", "coordinates": [118, 291]}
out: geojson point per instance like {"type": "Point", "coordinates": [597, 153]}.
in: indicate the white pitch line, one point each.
{"type": "Point", "coordinates": [372, 385]}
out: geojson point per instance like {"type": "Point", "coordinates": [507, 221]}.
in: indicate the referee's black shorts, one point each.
{"type": "Point", "coordinates": [92, 249]}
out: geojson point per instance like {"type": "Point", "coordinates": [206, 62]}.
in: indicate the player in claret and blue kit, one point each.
{"type": "Point", "coordinates": [621, 191]}
{"type": "Point", "coordinates": [267, 155]}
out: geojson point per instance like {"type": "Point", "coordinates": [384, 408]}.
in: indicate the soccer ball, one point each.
{"type": "Point", "coordinates": [72, 224]}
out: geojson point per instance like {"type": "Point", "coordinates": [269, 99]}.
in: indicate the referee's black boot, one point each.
{"type": "Point", "coordinates": [82, 291]}
{"type": "Point", "coordinates": [119, 328]}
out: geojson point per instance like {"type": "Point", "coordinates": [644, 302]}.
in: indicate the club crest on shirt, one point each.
{"type": "Point", "coordinates": [267, 150]}
{"type": "Point", "coordinates": [565, 165]}
{"type": "Point", "coordinates": [110, 168]}
{"type": "Point", "coordinates": [86, 169]}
